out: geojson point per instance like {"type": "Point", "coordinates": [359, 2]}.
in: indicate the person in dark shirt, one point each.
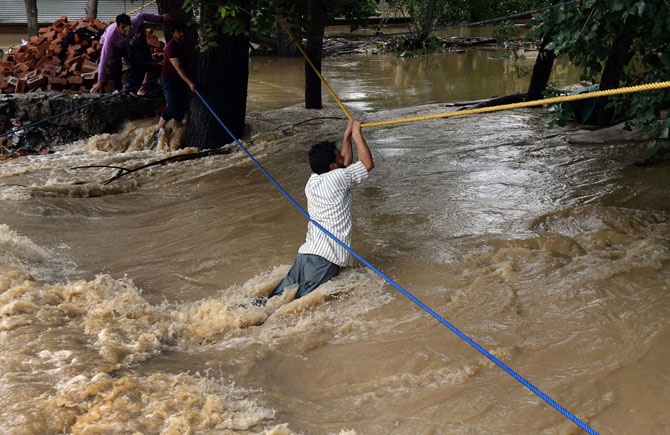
{"type": "Point", "coordinates": [139, 57]}
{"type": "Point", "coordinates": [176, 82]}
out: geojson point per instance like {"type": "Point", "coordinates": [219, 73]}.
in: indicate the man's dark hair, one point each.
{"type": "Point", "coordinates": [177, 25]}
{"type": "Point", "coordinates": [321, 155]}
{"type": "Point", "coordinates": [123, 19]}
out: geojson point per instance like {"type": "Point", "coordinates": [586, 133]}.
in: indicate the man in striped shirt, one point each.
{"type": "Point", "coordinates": [328, 194]}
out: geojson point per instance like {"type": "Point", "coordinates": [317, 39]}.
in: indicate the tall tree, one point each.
{"type": "Point", "coordinates": [316, 17]}
{"type": "Point", "coordinates": [221, 75]}
{"type": "Point", "coordinates": [428, 18]}
{"type": "Point", "coordinates": [31, 17]}
{"type": "Point", "coordinates": [285, 43]}
{"type": "Point", "coordinates": [307, 20]}
{"type": "Point", "coordinates": [617, 43]}
{"type": "Point", "coordinates": [603, 46]}
{"type": "Point", "coordinates": [91, 9]}
{"type": "Point", "coordinates": [619, 56]}
{"type": "Point", "coordinates": [544, 63]}
{"type": "Point", "coordinates": [420, 18]}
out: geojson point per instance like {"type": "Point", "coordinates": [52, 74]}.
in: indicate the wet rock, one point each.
{"type": "Point", "coordinates": [54, 118]}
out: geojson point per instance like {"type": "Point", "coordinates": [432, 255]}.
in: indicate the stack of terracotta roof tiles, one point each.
{"type": "Point", "coordinates": [62, 57]}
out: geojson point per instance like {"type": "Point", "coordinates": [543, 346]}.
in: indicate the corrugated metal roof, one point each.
{"type": "Point", "coordinates": [48, 11]}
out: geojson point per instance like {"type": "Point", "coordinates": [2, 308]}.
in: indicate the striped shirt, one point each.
{"type": "Point", "coordinates": [329, 204]}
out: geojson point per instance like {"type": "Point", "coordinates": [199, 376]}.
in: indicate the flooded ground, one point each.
{"type": "Point", "coordinates": [120, 302]}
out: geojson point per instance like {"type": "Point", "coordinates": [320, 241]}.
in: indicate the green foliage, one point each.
{"type": "Point", "coordinates": [507, 35]}
{"type": "Point", "coordinates": [231, 24]}
{"type": "Point", "coordinates": [585, 32]}
{"type": "Point", "coordinates": [215, 19]}
{"type": "Point", "coordinates": [561, 115]}
{"type": "Point", "coordinates": [408, 43]}
{"type": "Point", "coordinates": [355, 11]}
{"type": "Point", "coordinates": [504, 31]}
{"type": "Point", "coordinates": [415, 11]}
{"type": "Point", "coordinates": [226, 17]}
{"type": "Point", "coordinates": [467, 11]}
{"type": "Point", "coordinates": [295, 13]}
{"type": "Point", "coordinates": [448, 12]}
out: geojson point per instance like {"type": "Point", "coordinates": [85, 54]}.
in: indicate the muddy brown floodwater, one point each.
{"type": "Point", "coordinates": [119, 303]}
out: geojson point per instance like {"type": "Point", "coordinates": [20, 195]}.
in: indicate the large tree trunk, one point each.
{"type": "Point", "coordinates": [221, 77]}
{"type": "Point", "coordinates": [544, 63]}
{"type": "Point", "coordinates": [619, 56]}
{"type": "Point", "coordinates": [91, 9]}
{"type": "Point", "coordinates": [31, 17]}
{"type": "Point", "coordinates": [316, 17]}
{"type": "Point", "coordinates": [427, 24]}
{"type": "Point", "coordinates": [541, 72]}
{"type": "Point", "coordinates": [285, 43]}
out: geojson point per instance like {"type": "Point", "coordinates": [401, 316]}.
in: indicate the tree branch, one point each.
{"type": "Point", "coordinates": [178, 158]}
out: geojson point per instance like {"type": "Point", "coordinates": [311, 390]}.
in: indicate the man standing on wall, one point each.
{"type": "Point", "coordinates": [114, 43]}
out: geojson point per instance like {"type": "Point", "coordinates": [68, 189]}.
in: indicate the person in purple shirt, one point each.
{"type": "Point", "coordinates": [114, 43]}
{"type": "Point", "coordinates": [174, 78]}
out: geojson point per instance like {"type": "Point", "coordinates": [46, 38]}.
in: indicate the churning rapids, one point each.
{"type": "Point", "coordinates": [119, 302]}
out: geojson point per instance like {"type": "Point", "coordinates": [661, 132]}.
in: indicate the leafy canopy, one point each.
{"type": "Point", "coordinates": [584, 31]}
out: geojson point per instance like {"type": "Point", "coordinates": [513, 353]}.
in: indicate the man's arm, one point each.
{"type": "Point", "coordinates": [176, 63]}
{"type": "Point", "coordinates": [364, 153]}
{"type": "Point", "coordinates": [153, 18]}
{"type": "Point", "coordinates": [346, 151]}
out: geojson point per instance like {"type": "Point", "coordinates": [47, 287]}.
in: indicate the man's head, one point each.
{"type": "Point", "coordinates": [324, 156]}
{"type": "Point", "coordinates": [177, 29]}
{"type": "Point", "coordinates": [123, 24]}
{"type": "Point", "coordinates": [141, 32]}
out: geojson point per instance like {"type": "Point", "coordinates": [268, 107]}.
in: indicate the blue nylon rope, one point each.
{"type": "Point", "coordinates": [410, 296]}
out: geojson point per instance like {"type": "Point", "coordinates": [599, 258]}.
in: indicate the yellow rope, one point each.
{"type": "Point", "coordinates": [546, 101]}
{"type": "Point", "coordinates": [314, 68]}
{"type": "Point", "coordinates": [553, 100]}
{"type": "Point", "coordinates": [141, 7]}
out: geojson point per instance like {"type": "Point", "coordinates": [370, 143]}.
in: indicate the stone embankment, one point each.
{"type": "Point", "coordinates": [46, 82]}
{"type": "Point", "coordinates": [60, 119]}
